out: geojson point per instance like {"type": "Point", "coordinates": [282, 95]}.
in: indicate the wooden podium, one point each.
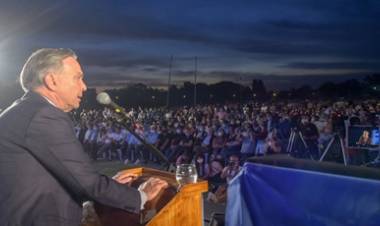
{"type": "Point", "coordinates": [169, 208]}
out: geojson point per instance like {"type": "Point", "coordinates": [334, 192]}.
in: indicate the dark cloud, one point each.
{"type": "Point", "coordinates": [283, 82]}
{"type": "Point", "coordinates": [126, 60]}
{"type": "Point", "coordinates": [371, 66]}
{"type": "Point", "coordinates": [150, 69]}
{"type": "Point", "coordinates": [118, 81]}
{"type": "Point", "coordinates": [123, 41]}
{"type": "Point", "coordinates": [247, 76]}
{"type": "Point", "coordinates": [273, 81]}
{"type": "Point", "coordinates": [295, 37]}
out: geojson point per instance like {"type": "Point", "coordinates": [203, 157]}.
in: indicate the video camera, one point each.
{"type": "Point", "coordinates": [232, 164]}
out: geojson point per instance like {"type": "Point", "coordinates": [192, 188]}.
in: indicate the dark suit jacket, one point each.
{"type": "Point", "coordinates": [44, 173]}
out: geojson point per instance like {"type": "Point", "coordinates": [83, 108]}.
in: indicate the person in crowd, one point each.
{"type": "Point", "coordinates": [117, 143]}
{"type": "Point", "coordinates": [135, 146]}
{"type": "Point", "coordinates": [259, 134]}
{"type": "Point", "coordinates": [364, 139]}
{"type": "Point", "coordinates": [151, 137]}
{"type": "Point", "coordinates": [186, 142]}
{"type": "Point", "coordinates": [217, 144]}
{"type": "Point", "coordinates": [325, 135]}
{"type": "Point", "coordinates": [273, 143]}
{"type": "Point", "coordinates": [214, 178]}
{"type": "Point", "coordinates": [184, 158]}
{"type": "Point", "coordinates": [100, 141]}
{"type": "Point", "coordinates": [247, 145]}
{"type": "Point", "coordinates": [207, 140]}
{"type": "Point", "coordinates": [163, 139]}
{"type": "Point", "coordinates": [124, 133]}
{"type": "Point", "coordinates": [233, 143]}
{"type": "Point", "coordinates": [199, 135]}
{"type": "Point", "coordinates": [106, 148]}
{"type": "Point", "coordinates": [232, 169]}
{"type": "Point", "coordinates": [201, 165]}
{"type": "Point", "coordinates": [172, 152]}
{"type": "Point", "coordinates": [91, 142]}
{"type": "Point", "coordinates": [228, 173]}
{"type": "Point", "coordinates": [310, 135]}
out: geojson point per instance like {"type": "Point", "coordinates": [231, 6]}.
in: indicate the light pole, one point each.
{"type": "Point", "coordinates": [195, 80]}
{"type": "Point", "coordinates": [169, 81]}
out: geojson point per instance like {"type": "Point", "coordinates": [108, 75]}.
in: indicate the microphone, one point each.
{"type": "Point", "coordinates": [104, 99]}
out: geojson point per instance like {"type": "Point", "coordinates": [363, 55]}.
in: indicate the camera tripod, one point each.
{"type": "Point", "coordinates": [341, 145]}
{"type": "Point", "coordinates": [290, 149]}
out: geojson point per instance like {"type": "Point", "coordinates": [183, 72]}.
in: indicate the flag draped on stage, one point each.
{"type": "Point", "coordinates": [265, 195]}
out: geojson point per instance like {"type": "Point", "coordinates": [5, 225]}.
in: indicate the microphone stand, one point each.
{"type": "Point", "coordinates": [150, 147]}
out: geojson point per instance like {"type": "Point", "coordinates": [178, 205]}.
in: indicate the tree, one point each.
{"type": "Point", "coordinates": [259, 91]}
{"type": "Point", "coordinates": [373, 79]}
{"type": "Point", "coordinates": [372, 86]}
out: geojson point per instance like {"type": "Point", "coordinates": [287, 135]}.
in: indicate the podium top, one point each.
{"type": "Point", "coordinates": [169, 206]}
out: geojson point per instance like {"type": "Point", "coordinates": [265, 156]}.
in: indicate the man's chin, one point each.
{"type": "Point", "coordinates": [72, 107]}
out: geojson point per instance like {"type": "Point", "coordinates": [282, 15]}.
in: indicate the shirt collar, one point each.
{"type": "Point", "coordinates": [51, 102]}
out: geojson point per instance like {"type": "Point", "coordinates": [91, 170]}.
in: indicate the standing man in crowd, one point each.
{"type": "Point", "coordinates": [311, 135]}
{"type": "Point", "coordinates": [45, 174]}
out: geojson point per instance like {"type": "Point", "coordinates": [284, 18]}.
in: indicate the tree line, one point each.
{"type": "Point", "coordinates": [141, 95]}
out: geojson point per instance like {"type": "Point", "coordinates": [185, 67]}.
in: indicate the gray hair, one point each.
{"type": "Point", "coordinates": [40, 63]}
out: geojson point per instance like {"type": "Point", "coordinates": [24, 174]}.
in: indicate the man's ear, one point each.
{"type": "Point", "coordinates": [50, 81]}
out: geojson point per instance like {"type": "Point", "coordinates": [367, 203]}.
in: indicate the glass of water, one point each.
{"type": "Point", "coordinates": [186, 174]}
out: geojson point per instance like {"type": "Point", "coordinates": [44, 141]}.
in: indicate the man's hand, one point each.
{"type": "Point", "coordinates": [152, 187]}
{"type": "Point", "coordinates": [124, 178]}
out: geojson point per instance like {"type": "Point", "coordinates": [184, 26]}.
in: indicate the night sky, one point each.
{"type": "Point", "coordinates": [286, 43]}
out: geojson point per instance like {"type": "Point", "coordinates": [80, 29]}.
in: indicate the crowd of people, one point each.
{"type": "Point", "coordinates": [219, 138]}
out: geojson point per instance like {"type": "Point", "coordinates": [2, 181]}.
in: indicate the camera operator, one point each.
{"type": "Point", "coordinates": [337, 119]}
{"type": "Point", "coordinates": [310, 135]}
{"type": "Point", "coordinates": [219, 194]}
{"type": "Point", "coordinates": [232, 169]}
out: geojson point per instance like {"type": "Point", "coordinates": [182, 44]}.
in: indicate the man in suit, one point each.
{"type": "Point", "coordinates": [45, 175]}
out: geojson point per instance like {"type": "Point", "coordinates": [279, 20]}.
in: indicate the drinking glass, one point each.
{"type": "Point", "coordinates": [186, 174]}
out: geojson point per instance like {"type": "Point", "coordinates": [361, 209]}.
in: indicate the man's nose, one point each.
{"type": "Point", "coordinates": [84, 86]}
